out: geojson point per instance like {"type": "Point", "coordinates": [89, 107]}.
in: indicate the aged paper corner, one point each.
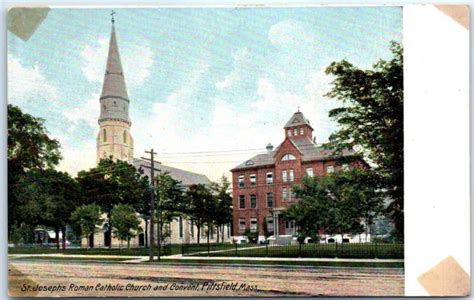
{"type": "Point", "coordinates": [459, 13]}
{"type": "Point", "coordinates": [23, 21]}
{"type": "Point", "coordinates": [447, 278]}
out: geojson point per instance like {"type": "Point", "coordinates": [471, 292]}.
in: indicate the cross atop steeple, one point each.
{"type": "Point", "coordinates": [112, 14]}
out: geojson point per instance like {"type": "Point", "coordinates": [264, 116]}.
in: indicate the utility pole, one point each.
{"type": "Point", "coordinates": [152, 202]}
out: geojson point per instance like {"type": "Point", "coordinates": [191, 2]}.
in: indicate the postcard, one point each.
{"type": "Point", "coordinates": [235, 151]}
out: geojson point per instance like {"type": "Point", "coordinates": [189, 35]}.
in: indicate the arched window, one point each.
{"type": "Point", "coordinates": [125, 136]}
{"type": "Point", "coordinates": [288, 157]}
{"type": "Point", "coordinates": [104, 135]}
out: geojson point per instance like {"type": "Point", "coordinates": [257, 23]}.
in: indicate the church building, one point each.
{"type": "Point", "coordinates": [262, 185]}
{"type": "Point", "coordinates": [115, 139]}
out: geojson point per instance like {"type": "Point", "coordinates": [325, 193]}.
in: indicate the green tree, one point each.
{"type": "Point", "coordinates": [170, 201]}
{"type": "Point", "coordinates": [370, 119]}
{"type": "Point", "coordinates": [86, 220]}
{"type": "Point", "coordinates": [125, 222]}
{"type": "Point", "coordinates": [57, 194]}
{"type": "Point", "coordinates": [201, 207]}
{"type": "Point", "coordinates": [115, 182]}
{"type": "Point", "coordinates": [223, 199]}
{"type": "Point", "coordinates": [339, 203]}
{"type": "Point", "coordinates": [29, 148]}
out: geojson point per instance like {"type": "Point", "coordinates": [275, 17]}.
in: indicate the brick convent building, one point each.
{"type": "Point", "coordinates": [262, 184]}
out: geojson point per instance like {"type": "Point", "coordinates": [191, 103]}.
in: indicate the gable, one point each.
{"type": "Point", "coordinates": [287, 147]}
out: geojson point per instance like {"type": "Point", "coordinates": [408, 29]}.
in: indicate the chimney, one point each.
{"type": "Point", "coordinates": [269, 147]}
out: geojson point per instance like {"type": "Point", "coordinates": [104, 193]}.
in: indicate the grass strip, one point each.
{"type": "Point", "coordinates": [374, 264]}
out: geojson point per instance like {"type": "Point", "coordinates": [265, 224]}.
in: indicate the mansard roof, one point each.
{"type": "Point", "coordinates": [297, 119]}
{"type": "Point", "coordinates": [187, 178]}
{"type": "Point", "coordinates": [309, 151]}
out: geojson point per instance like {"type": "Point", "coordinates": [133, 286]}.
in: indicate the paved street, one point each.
{"type": "Point", "coordinates": [116, 279]}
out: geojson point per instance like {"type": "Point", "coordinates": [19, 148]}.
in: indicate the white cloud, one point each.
{"type": "Point", "coordinates": [289, 33]}
{"type": "Point", "coordinates": [89, 112]}
{"type": "Point", "coordinates": [77, 156]}
{"type": "Point", "coordinates": [137, 61]}
{"type": "Point", "coordinates": [28, 83]}
{"type": "Point", "coordinates": [241, 60]}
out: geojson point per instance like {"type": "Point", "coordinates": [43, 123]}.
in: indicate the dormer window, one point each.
{"type": "Point", "coordinates": [295, 131]}
{"type": "Point", "coordinates": [289, 132]}
{"type": "Point", "coordinates": [288, 157]}
{"type": "Point", "coordinates": [301, 130]}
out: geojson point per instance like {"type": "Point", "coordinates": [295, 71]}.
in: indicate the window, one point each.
{"type": "Point", "coordinates": [295, 131]}
{"type": "Point", "coordinates": [289, 132]}
{"type": "Point", "coordinates": [242, 224]}
{"type": "Point", "coordinates": [292, 195]}
{"type": "Point", "coordinates": [330, 169]}
{"type": "Point", "coordinates": [285, 194]}
{"type": "Point", "coordinates": [301, 130]}
{"type": "Point", "coordinates": [288, 157]}
{"type": "Point", "coordinates": [345, 167]}
{"type": "Point", "coordinates": [309, 172]}
{"type": "Point", "coordinates": [180, 227]}
{"type": "Point", "coordinates": [104, 135]}
{"type": "Point", "coordinates": [241, 201]}
{"type": "Point", "coordinates": [270, 224]}
{"type": "Point", "coordinates": [228, 231]}
{"type": "Point", "coordinates": [192, 227]}
{"type": "Point", "coordinates": [253, 179]}
{"type": "Point", "coordinates": [253, 224]}
{"type": "Point", "coordinates": [269, 200]}
{"type": "Point", "coordinates": [241, 181]}
{"type": "Point", "coordinates": [292, 175]}
{"type": "Point", "coordinates": [253, 201]}
{"type": "Point", "coordinates": [284, 176]}
{"type": "Point", "coordinates": [269, 178]}
{"type": "Point", "coordinates": [211, 231]}
{"type": "Point", "coordinates": [125, 136]}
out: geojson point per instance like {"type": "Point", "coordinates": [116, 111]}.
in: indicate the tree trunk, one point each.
{"type": "Point", "coordinates": [208, 233]}
{"type": "Point", "coordinates": [110, 228]}
{"type": "Point", "coordinates": [217, 238]}
{"type": "Point", "coordinates": [56, 231]}
{"type": "Point", "coordinates": [128, 242]}
{"type": "Point", "coordinates": [198, 233]}
{"type": "Point", "coordinates": [146, 233]}
{"type": "Point", "coordinates": [63, 232]}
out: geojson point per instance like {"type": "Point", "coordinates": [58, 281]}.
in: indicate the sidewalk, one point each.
{"type": "Point", "coordinates": [140, 259]}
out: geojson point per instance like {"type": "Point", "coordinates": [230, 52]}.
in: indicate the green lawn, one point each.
{"type": "Point", "coordinates": [236, 263]}
{"type": "Point", "coordinates": [167, 250]}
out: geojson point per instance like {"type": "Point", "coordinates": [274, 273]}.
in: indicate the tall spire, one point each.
{"type": "Point", "coordinates": [114, 87]}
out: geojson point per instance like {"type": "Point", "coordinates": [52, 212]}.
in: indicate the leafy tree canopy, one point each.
{"type": "Point", "coordinates": [370, 119]}
{"type": "Point", "coordinates": [114, 182]}
{"type": "Point", "coordinates": [86, 220]}
{"type": "Point", "coordinates": [125, 222]}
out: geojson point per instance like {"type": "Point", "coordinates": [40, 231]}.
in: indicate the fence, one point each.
{"type": "Point", "coordinates": [314, 250]}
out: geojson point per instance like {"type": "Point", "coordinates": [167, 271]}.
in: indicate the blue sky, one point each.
{"type": "Point", "coordinates": [199, 79]}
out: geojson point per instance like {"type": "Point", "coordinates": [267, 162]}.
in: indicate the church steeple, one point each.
{"type": "Point", "coordinates": [114, 138]}
{"type": "Point", "coordinates": [114, 96]}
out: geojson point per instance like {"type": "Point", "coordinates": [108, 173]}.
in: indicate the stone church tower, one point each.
{"type": "Point", "coordinates": [114, 138]}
